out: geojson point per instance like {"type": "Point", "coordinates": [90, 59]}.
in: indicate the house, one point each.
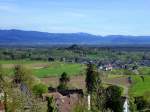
{"type": "Point", "coordinates": [106, 67]}
{"type": "Point", "coordinates": [65, 100]}
{"type": "Point", "coordinates": [144, 63]}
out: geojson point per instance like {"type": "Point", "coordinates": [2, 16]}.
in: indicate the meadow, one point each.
{"type": "Point", "coordinates": [44, 68]}
{"type": "Point", "coordinates": [139, 87]}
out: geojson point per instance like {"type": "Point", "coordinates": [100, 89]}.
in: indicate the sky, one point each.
{"type": "Point", "coordinates": [100, 17]}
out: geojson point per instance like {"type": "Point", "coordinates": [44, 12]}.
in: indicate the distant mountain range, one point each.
{"type": "Point", "coordinates": [20, 37]}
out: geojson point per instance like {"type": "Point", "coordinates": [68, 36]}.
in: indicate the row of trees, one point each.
{"type": "Point", "coordinates": [75, 51]}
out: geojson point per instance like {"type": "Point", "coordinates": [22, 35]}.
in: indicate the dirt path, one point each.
{"type": "Point", "coordinates": [121, 82]}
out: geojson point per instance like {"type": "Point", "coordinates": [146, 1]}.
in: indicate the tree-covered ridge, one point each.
{"type": "Point", "coordinates": [19, 37]}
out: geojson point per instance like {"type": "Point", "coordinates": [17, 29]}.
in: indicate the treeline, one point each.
{"type": "Point", "coordinates": [74, 52]}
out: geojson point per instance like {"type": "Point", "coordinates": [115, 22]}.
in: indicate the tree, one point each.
{"type": "Point", "coordinates": [39, 89]}
{"type": "Point", "coordinates": [140, 103]}
{"type": "Point", "coordinates": [1, 74]}
{"type": "Point", "coordinates": [4, 87]}
{"type": "Point", "coordinates": [93, 79]}
{"type": "Point", "coordinates": [113, 99]}
{"type": "Point", "coordinates": [51, 105]}
{"type": "Point", "coordinates": [10, 93]}
{"type": "Point", "coordinates": [132, 107]}
{"type": "Point", "coordinates": [146, 97]}
{"type": "Point", "coordinates": [15, 98]}
{"type": "Point", "coordinates": [94, 87]}
{"type": "Point", "coordinates": [90, 77]}
{"type": "Point", "coordinates": [98, 94]}
{"type": "Point", "coordinates": [63, 81]}
{"type": "Point", "coordinates": [23, 76]}
{"type": "Point", "coordinates": [24, 81]}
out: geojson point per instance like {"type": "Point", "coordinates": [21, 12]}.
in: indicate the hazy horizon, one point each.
{"type": "Point", "coordinates": [77, 33]}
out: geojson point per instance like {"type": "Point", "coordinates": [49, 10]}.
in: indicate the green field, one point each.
{"type": "Point", "coordinates": [20, 62]}
{"type": "Point", "coordinates": [144, 70]}
{"type": "Point", "coordinates": [46, 69]}
{"type": "Point", "coordinates": [139, 87]}
{"type": "Point", "coordinates": [56, 69]}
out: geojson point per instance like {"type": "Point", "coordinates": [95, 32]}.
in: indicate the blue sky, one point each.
{"type": "Point", "coordinates": [102, 17]}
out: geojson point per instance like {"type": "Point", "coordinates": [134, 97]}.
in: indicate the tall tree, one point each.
{"type": "Point", "coordinates": [63, 81]}
{"type": "Point", "coordinates": [94, 87]}
{"type": "Point", "coordinates": [93, 79]}
{"type": "Point", "coordinates": [89, 77]}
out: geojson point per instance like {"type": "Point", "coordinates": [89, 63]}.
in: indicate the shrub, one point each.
{"type": "Point", "coordinates": [39, 89]}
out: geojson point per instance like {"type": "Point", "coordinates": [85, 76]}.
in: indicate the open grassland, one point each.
{"type": "Point", "coordinates": [44, 68]}
{"type": "Point", "coordinates": [139, 87]}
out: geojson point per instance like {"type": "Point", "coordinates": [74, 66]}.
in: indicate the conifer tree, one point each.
{"type": "Point", "coordinates": [94, 87]}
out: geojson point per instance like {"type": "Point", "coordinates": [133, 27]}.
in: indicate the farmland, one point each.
{"type": "Point", "coordinates": [44, 68]}
{"type": "Point", "coordinates": [47, 66]}
{"type": "Point", "coordinates": [48, 72]}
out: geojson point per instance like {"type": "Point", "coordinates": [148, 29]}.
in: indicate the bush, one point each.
{"type": "Point", "coordinates": [39, 89]}
{"type": "Point", "coordinates": [140, 102]}
{"type": "Point", "coordinates": [113, 99]}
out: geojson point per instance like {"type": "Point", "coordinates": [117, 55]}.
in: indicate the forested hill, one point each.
{"type": "Point", "coordinates": [41, 38]}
